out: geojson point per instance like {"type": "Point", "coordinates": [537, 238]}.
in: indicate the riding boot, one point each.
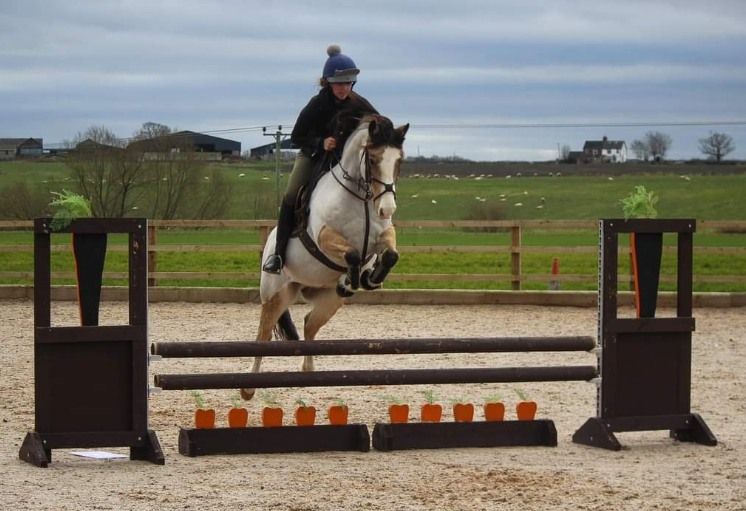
{"type": "Point", "coordinates": [285, 224]}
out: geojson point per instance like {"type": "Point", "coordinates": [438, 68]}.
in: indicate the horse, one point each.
{"type": "Point", "coordinates": [349, 241]}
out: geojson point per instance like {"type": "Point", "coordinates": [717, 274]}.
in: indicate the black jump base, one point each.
{"type": "Point", "coordinates": [599, 432]}
{"type": "Point", "coordinates": [281, 439]}
{"type": "Point", "coordinates": [440, 435]}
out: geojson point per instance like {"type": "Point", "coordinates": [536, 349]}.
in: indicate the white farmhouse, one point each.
{"type": "Point", "coordinates": [613, 151]}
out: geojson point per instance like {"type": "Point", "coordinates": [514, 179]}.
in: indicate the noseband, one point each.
{"type": "Point", "coordinates": [364, 190]}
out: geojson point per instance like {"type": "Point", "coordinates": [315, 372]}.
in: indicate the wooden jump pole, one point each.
{"type": "Point", "coordinates": [373, 377]}
{"type": "Point", "coordinates": [371, 347]}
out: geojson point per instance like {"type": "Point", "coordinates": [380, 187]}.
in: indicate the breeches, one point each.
{"type": "Point", "coordinates": [299, 177]}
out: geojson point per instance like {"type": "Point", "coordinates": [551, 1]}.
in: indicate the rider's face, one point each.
{"type": "Point", "coordinates": [341, 90]}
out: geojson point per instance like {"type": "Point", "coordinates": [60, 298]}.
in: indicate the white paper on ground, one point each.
{"type": "Point", "coordinates": [99, 455]}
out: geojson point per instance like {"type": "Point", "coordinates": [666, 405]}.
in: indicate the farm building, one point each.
{"type": "Point", "coordinates": [265, 151]}
{"type": "Point", "coordinates": [184, 140]}
{"type": "Point", "coordinates": [91, 145]}
{"type": "Point", "coordinates": [11, 148]}
{"type": "Point", "coordinates": [605, 150]}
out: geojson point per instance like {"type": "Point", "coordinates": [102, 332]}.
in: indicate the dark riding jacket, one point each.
{"type": "Point", "coordinates": [314, 121]}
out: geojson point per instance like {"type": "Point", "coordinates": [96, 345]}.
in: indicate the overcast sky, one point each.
{"type": "Point", "coordinates": [474, 78]}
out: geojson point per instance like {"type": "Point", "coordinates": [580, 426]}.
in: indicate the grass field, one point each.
{"type": "Point", "coordinates": [699, 194]}
{"type": "Point", "coordinates": [684, 190]}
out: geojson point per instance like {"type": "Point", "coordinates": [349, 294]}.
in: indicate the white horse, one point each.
{"type": "Point", "coordinates": [350, 241]}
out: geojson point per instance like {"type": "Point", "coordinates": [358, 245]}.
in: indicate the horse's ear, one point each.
{"type": "Point", "coordinates": [380, 130]}
{"type": "Point", "coordinates": [399, 134]}
{"type": "Point", "coordinates": [372, 129]}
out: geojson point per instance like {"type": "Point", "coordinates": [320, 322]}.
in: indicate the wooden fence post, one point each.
{"type": "Point", "coordinates": [152, 254]}
{"type": "Point", "coordinates": [515, 257]}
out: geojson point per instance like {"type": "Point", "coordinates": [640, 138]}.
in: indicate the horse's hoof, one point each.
{"type": "Point", "coordinates": [273, 265]}
{"type": "Point", "coordinates": [366, 283]}
{"type": "Point", "coordinates": [343, 292]}
{"type": "Point", "coordinates": [247, 394]}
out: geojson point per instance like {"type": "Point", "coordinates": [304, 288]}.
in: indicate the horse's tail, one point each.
{"type": "Point", "coordinates": [285, 328]}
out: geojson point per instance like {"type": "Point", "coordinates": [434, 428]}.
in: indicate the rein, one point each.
{"type": "Point", "coordinates": [363, 184]}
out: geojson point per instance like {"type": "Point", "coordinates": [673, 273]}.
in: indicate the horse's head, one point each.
{"type": "Point", "coordinates": [384, 155]}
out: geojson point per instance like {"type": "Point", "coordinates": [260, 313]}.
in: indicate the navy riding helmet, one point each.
{"type": "Point", "coordinates": [339, 68]}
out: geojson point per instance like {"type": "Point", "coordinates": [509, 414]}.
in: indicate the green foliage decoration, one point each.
{"type": "Point", "coordinates": [640, 203]}
{"type": "Point", "coordinates": [67, 207]}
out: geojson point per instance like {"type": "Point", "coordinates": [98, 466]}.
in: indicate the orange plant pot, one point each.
{"type": "Point", "coordinates": [525, 410]}
{"type": "Point", "coordinates": [338, 415]}
{"type": "Point", "coordinates": [305, 415]}
{"type": "Point", "coordinates": [431, 412]}
{"type": "Point", "coordinates": [271, 417]}
{"type": "Point", "coordinates": [238, 417]}
{"type": "Point", "coordinates": [463, 412]}
{"type": "Point", "coordinates": [494, 412]}
{"type": "Point", "coordinates": [204, 418]}
{"type": "Point", "coordinates": [399, 414]}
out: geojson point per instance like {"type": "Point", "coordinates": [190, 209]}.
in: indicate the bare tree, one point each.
{"type": "Point", "coordinates": [100, 135]}
{"type": "Point", "coordinates": [717, 145]}
{"type": "Point", "coordinates": [22, 201]}
{"type": "Point", "coordinates": [105, 172]}
{"type": "Point", "coordinates": [658, 144]}
{"type": "Point", "coordinates": [214, 199]}
{"type": "Point", "coordinates": [152, 130]}
{"type": "Point", "coordinates": [640, 149]}
{"type": "Point", "coordinates": [565, 153]}
{"type": "Point", "coordinates": [173, 170]}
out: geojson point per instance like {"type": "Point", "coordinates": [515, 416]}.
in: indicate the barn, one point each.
{"type": "Point", "coordinates": [11, 148]}
{"type": "Point", "coordinates": [200, 142]}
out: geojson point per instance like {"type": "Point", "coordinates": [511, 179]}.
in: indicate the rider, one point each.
{"type": "Point", "coordinates": [313, 134]}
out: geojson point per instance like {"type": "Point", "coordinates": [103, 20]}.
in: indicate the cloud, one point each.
{"type": "Point", "coordinates": [567, 74]}
{"type": "Point", "coordinates": [229, 64]}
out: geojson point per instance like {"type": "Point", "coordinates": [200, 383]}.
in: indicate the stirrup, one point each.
{"type": "Point", "coordinates": [273, 264]}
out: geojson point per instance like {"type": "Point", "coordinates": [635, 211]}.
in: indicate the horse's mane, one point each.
{"type": "Point", "coordinates": [348, 122]}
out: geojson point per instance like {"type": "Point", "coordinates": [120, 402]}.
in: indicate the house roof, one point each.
{"type": "Point", "coordinates": [604, 144]}
{"type": "Point", "coordinates": [15, 142]}
{"type": "Point", "coordinates": [189, 137]}
{"type": "Point", "coordinates": [284, 144]}
{"type": "Point", "coordinates": [89, 144]}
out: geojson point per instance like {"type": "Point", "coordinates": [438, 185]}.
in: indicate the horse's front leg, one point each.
{"type": "Point", "coordinates": [372, 279]}
{"type": "Point", "coordinates": [339, 249]}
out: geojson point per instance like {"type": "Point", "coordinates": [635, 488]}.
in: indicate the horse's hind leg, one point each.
{"type": "Point", "coordinates": [271, 311]}
{"type": "Point", "coordinates": [326, 303]}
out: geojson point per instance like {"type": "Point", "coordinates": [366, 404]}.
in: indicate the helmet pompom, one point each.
{"type": "Point", "coordinates": [333, 50]}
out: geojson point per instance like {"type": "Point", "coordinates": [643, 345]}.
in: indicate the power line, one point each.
{"type": "Point", "coordinates": [632, 124]}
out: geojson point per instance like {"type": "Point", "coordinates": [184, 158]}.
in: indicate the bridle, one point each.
{"type": "Point", "coordinates": [364, 182]}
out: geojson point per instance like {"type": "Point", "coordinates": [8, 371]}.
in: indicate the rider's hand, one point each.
{"type": "Point", "coordinates": [330, 143]}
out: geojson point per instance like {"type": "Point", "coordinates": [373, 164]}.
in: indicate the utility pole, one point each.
{"type": "Point", "coordinates": [278, 135]}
